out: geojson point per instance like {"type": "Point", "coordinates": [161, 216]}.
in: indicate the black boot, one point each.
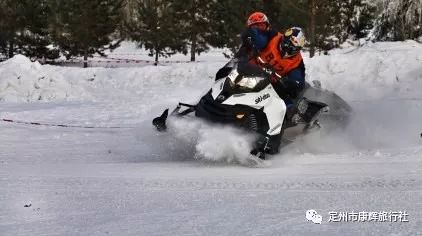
{"type": "Point", "coordinates": [267, 145]}
{"type": "Point", "coordinates": [273, 146]}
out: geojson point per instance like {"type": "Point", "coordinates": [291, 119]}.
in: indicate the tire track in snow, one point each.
{"type": "Point", "coordinates": [364, 185]}
{"type": "Point", "coordinates": [297, 185]}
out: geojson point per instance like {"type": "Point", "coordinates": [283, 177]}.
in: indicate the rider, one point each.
{"type": "Point", "coordinates": [269, 49]}
{"type": "Point", "coordinates": [282, 59]}
{"type": "Point", "coordinates": [254, 38]}
{"type": "Point", "coordinates": [278, 54]}
{"type": "Point", "coordinates": [282, 56]}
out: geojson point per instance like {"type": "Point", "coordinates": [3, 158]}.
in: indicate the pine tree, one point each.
{"type": "Point", "coordinates": [83, 28]}
{"type": "Point", "coordinates": [24, 28]}
{"type": "Point", "coordinates": [399, 20]}
{"type": "Point", "coordinates": [290, 13]}
{"type": "Point", "coordinates": [156, 29]}
{"type": "Point", "coordinates": [337, 20]}
{"type": "Point", "coordinates": [229, 20]}
{"type": "Point", "coordinates": [329, 23]}
{"type": "Point", "coordinates": [314, 16]}
{"type": "Point", "coordinates": [129, 10]}
{"type": "Point", "coordinates": [362, 18]}
{"type": "Point", "coordinates": [3, 36]}
{"type": "Point", "coordinates": [194, 24]}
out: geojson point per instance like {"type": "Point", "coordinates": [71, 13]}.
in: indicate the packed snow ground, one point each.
{"type": "Point", "coordinates": [131, 180]}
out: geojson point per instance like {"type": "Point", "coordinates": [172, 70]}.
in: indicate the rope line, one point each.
{"type": "Point", "coordinates": [63, 125]}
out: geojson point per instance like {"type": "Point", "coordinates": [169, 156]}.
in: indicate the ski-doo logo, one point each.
{"type": "Point", "coordinates": [262, 98]}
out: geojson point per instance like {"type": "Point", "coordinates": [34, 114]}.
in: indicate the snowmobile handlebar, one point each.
{"type": "Point", "coordinates": [268, 68]}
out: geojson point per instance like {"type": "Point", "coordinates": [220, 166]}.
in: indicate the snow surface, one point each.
{"type": "Point", "coordinates": [134, 181]}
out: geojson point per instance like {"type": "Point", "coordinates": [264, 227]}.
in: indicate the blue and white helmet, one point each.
{"type": "Point", "coordinates": [293, 41]}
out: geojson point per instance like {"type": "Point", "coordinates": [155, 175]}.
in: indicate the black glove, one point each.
{"type": "Point", "coordinates": [292, 88]}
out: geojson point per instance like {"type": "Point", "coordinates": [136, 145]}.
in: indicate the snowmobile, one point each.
{"type": "Point", "coordinates": [244, 97]}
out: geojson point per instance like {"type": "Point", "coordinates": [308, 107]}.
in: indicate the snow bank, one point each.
{"type": "Point", "coordinates": [382, 82]}
{"type": "Point", "coordinates": [374, 71]}
{"type": "Point", "coordinates": [24, 81]}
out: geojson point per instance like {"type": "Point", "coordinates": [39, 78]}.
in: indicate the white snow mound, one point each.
{"type": "Point", "coordinates": [24, 81]}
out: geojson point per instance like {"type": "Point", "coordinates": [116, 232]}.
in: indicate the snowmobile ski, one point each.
{"type": "Point", "coordinates": [160, 122]}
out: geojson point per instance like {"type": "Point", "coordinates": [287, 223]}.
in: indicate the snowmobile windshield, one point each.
{"type": "Point", "coordinates": [247, 82]}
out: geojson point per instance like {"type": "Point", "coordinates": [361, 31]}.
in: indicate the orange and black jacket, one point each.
{"type": "Point", "coordinates": [265, 44]}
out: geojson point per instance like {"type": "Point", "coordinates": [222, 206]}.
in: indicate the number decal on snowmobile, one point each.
{"type": "Point", "coordinates": [262, 98]}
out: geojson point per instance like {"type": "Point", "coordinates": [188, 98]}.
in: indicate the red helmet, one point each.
{"type": "Point", "coordinates": [256, 18]}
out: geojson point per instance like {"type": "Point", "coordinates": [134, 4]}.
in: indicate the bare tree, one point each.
{"type": "Point", "coordinates": [312, 26]}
